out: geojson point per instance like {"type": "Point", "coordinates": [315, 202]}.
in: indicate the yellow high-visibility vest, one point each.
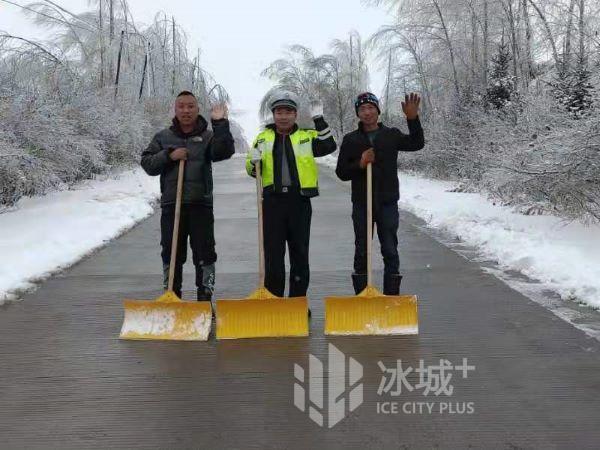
{"type": "Point", "coordinates": [306, 165]}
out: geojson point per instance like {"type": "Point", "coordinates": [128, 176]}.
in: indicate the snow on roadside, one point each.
{"type": "Point", "coordinates": [44, 234]}
{"type": "Point", "coordinates": [564, 257]}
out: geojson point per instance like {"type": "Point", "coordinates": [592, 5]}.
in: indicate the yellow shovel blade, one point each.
{"type": "Point", "coordinates": [166, 318]}
{"type": "Point", "coordinates": [262, 315]}
{"type": "Point", "coordinates": [371, 313]}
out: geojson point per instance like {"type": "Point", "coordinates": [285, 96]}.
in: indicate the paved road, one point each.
{"type": "Point", "coordinates": [67, 382]}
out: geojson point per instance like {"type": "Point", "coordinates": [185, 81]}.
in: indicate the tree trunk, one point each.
{"type": "Point", "coordinates": [548, 31]}
{"type": "Point", "coordinates": [351, 66]}
{"type": "Point", "coordinates": [143, 76]}
{"type": "Point", "coordinates": [194, 74]}
{"type": "Point", "coordinates": [474, 45]}
{"type": "Point", "coordinates": [174, 59]}
{"type": "Point", "coordinates": [582, 30]}
{"type": "Point", "coordinates": [119, 63]}
{"type": "Point", "coordinates": [152, 70]}
{"type": "Point", "coordinates": [486, 42]}
{"type": "Point", "coordinates": [529, 73]}
{"type": "Point", "coordinates": [111, 23]}
{"type": "Point", "coordinates": [387, 88]}
{"type": "Point", "coordinates": [566, 64]}
{"type": "Point", "coordinates": [450, 48]}
{"type": "Point", "coordinates": [102, 51]}
{"type": "Point", "coordinates": [111, 37]}
{"type": "Point", "coordinates": [427, 105]}
{"type": "Point", "coordinates": [508, 8]}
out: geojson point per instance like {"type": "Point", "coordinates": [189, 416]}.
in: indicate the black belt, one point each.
{"type": "Point", "coordinates": [283, 190]}
{"type": "Point", "coordinates": [289, 190]}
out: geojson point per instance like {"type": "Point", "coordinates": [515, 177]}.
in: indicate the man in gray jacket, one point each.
{"type": "Point", "coordinates": [189, 139]}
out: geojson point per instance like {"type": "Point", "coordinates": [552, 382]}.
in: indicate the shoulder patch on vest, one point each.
{"type": "Point", "coordinates": [260, 141]}
{"type": "Point", "coordinates": [304, 141]}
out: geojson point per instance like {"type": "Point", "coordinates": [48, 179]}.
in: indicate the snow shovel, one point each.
{"type": "Point", "coordinates": [168, 317]}
{"type": "Point", "coordinates": [261, 314]}
{"type": "Point", "coordinates": [371, 312]}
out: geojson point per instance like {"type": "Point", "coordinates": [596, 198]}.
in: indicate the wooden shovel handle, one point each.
{"type": "Point", "coordinates": [175, 240]}
{"type": "Point", "coordinates": [261, 237]}
{"type": "Point", "coordinates": [369, 222]}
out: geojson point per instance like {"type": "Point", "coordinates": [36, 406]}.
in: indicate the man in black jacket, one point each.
{"type": "Point", "coordinates": [379, 145]}
{"type": "Point", "coordinates": [189, 139]}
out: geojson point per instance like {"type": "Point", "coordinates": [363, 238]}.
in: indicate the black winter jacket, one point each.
{"type": "Point", "coordinates": [204, 147]}
{"type": "Point", "coordinates": [387, 144]}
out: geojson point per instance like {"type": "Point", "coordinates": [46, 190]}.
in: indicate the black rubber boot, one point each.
{"type": "Point", "coordinates": [165, 276]}
{"type": "Point", "coordinates": [391, 283]}
{"type": "Point", "coordinates": [205, 282]}
{"type": "Point", "coordinates": [359, 281]}
{"type": "Point", "coordinates": [176, 280]}
{"type": "Point", "coordinates": [204, 295]}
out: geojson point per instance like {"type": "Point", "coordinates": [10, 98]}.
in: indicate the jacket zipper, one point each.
{"type": "Point", "coordinates": [284, 155]}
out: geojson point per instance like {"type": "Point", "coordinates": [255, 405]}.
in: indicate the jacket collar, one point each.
{"type": "Point", "coordinates": [362, 129]}
{"type": "Point", "coordinates": [199, 128]}
{"type": "Point", "coordinates": [272, 126]}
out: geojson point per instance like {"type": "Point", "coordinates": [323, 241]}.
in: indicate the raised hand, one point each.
{"type": "Point", "coordinates": [410, 105]}
{"type": "Point", "coordinates": [218, 112]}
{"type": "Point", "coordinates": [316, 109]}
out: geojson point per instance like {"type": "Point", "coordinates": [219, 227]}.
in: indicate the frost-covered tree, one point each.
{"type": "Point", "coordinates": [333, 79]}
{"type": "Point", "coordinates": [501, 83]}
{"type": "Point", "coordinates": [88, 100]}
{"type": "Point", "coordinates": [574, 90]}
{"type": "Point", "coordinates": [537, 153]}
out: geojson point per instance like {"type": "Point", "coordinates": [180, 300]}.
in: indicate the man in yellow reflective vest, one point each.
{"type": "Point", "coordinates": [290, 179]}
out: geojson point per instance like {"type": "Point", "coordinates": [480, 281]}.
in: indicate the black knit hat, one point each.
{"type": "Point", "coordinates": [366, 97]}
{"type": "Point", "coordinates": [285, 102]}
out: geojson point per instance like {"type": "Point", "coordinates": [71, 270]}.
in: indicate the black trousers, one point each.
{"type": "Point", "coordinates": [286, 220]}
{"type": "Point", "coordinates": [197, 224]}
{"type": "Point", "coordinates": [387, 219]}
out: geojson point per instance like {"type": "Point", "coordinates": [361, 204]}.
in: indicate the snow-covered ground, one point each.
{"type": "Point", "coordinates": [560, 256]}
{"type": "Point", "coordinates": [44, 234]}
{"type": "Point", "coordinates": [564, 256]}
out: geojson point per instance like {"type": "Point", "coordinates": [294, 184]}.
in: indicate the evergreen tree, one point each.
{"type": "Point", "coordinates": [501, 87]}
{"type": "Point", "coordinates": [579, 99]}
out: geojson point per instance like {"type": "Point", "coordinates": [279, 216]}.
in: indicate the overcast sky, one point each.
{"type": "Point", "coordinates": [238, 39]}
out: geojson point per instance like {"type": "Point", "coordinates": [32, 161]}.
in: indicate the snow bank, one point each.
{"type": "Point", "coordinates": [564, 256]}
{"type": "Point", "coordinates": [44, 234]}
